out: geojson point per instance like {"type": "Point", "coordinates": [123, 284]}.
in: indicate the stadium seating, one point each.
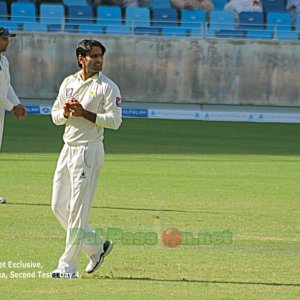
{"type": "Point", "coordinates": [219, 4]}
{"type": "Point", "coordinates": [147, 31]}
{"type": "Point", "coordinates": [193, 18]}
{"type": "Point", "coordinates": [80, 14]}
{"type": "Point", "coordinates": [279, 21]}
{"type": "Point", "coordinates": [174, 31]}
{"type": "Point", "coordinates": [52, 14]}
{"type": "Point", "coordinates": [220, 20]}
{"type": "Point", "coordinates": [35, 27]}
{"type": "Point", "coordinates": [228, 33]}
{"type": "Point", "coordinates": [91, 28]}
{"type": "Point", "coordinates": [273, 5]}
{"type": "Point", "coordinates": [259, 35]}
{"type": "Point", "coordinates": [12, 26]}
{"type": "Point", "coordinates": [23, 13]}
{"type": "Point", "coordinates": [251, 20]}
{"type": "Point", "coordinates": [160, 4]}
{"type": "Point", "coordinates": [74, 2]}
{"type": "Point", "coordinates": [287, 36]}
{"type": "Point", "coordinates": [297, 23]}
{"type": "Point", "coordinates": [118, 30]}
{"type": "Point", "coordinates": [109, 15]}
{"type": "Point", "coordinates": [137, 16]}
{"type": "Point", "coordinates": [3, 11]}
{"type": "Point", "coordinates": [164, 17]}
{"type": "Point", "coordinates": [197, 32]}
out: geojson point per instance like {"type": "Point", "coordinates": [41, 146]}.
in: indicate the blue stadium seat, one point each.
{"type": "Point", "coordinates": [160, 4]}
{"type": "Point", "coordinates": [197, 32]}
{"type": "Point", "coordinates": [287, 36]}
{"type": "Point", "coordinates": [164, 17]}
{"type": "Point", "coordinates": [23, 13]}
{"type": "Point", "coordinates": [251, 20]}
{"type": "Point", "coordinates": [35, 27]}
{"type": "Point", "coordinates": [137, 16]}
{"type": "Point", "coordinates": [12, 26]}
{"type": "Point", "coordinates": [3, 11]}
{"type": "Point", "coordinates": [231, 33]}
{"type": "Point", "coordinates": [174, 31]}
{"type": "Point", "coordinates": [193, 18]}
{"type": "Point", "coordinates": [80, 14]}
{"type": "Point", "coordinates": [118, 30]}
{"type": "Point", "coordinates": [91, 28]}
{"type": "Point", "coordinates": [75, 2]}
{"type": "Point", "coordinates": [273, 5]}
{"type": "Point", "coordinates": [52, 13]}
{"type": "Point", "coordinates": [147, 31]}
{"type": "Point", "coordinates": [220, 20]}
{"type": "Point", "coordinates": [219, 4]}
{"type": "Point", "coordinates": [259, 35]}
{"type": "Point", "coordinates": [70, 28]}
{"type": "Point", "coordinates": [279, 21]}
{"type": "Point", "coordinates": [109, 15]}
{"type": "Point", "coordinates": [297, 23]}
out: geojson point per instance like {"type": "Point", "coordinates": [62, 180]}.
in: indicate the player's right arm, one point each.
{"type": "Point", "coordinates": [60, 112]}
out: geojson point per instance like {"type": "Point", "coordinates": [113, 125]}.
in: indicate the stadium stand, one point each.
{"type": "Point", "coordinates": [219, 4]}
{"type": "Point", "coordinates": [279, 21]}
{"type": "Point", "coordinates": [52, 14]}
{"type": "Point", "coordinates": [147, 31]}
{"type": "Point", "coordinates": [109, 15]}
{"type": "Point", "coordinates": [137, 16]}
{"type": "Point", "coordinates": [158, 19]}
{"type": "Point", "coordinates": [160, 4]}
{"type": "Point", "coordinates": [74, 2]}
{"type": "Point", "coordinates": [259, 35]}
{"type": "Point", "coordinates": [220, 20]}
{"type": "Point", "coordinates": [193, 18]}
{"type": "Point", "coordinates": [173, 31]}
{"type": "Point", "coordinates": [3, 11]}
{"type": "Point", "coordinates": [91, 28]}
{"type": "Point", "coordinates": [34, 27]}
{"type": "Point", "coordinates": [118, 30]}
{"type": "Point", "coordinates": [273, 5]}
{"type": "Point", "coordinates": [80, 14]}
{"type": "Point", "coordinates": [287, 35]}
{"type": "Point", "coordinates": [164, 17]}
{"type": "Point", "coordinates": [251, 20]}
{"type": "Point", "coordinates": [23, 13]}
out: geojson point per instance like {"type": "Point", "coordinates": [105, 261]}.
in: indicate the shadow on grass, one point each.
{"type": "Point", "coordinates": [144, 136]}
{"type": "Point", "coordinates": [198, 281]}
{"type": "Point", "coordinates": [124, 208]}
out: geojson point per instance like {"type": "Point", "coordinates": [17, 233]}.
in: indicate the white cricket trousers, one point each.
{"type": "Point", "coordinates": [74, 187]}
{"type": "Point", "coordinates": [2, 115]}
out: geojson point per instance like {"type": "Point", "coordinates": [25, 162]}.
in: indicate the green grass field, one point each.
{"type": "Point", "coordinates": [159, 174]}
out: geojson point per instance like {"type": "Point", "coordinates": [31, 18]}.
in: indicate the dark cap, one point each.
{"type": "Point", "coordinates": [5, 32]}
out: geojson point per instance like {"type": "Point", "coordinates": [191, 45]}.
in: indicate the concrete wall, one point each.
{"type": "Point", "coordinates": [173, 70]}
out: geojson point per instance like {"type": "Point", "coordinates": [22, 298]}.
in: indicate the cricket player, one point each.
{"type": "Point", "coordinates": [87, 102]}
{"type": "Point", "coordinates": [8, 98]}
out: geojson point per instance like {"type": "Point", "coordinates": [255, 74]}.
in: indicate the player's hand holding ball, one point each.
{"type": "Point", "coordinates": [19, 111]}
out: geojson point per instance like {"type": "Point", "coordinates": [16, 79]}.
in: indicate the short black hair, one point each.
{"type": "Point", "coordinates": [85, 46]}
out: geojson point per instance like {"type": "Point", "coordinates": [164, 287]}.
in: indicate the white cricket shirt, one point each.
{"type": "Point", "coordinates": [99, 95]}
{"type": "Point", "coordinates": [8, 97]}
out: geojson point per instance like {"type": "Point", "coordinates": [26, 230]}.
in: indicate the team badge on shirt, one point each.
{"type": "Point", "coordinates": [69, 92]}
{"type": "Point", "coordinates": [118, 101]}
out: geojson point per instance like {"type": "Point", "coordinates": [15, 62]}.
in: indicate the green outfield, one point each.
{"type": "Point", "coordinates": [206, 179]}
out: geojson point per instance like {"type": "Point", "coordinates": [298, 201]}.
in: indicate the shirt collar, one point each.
{"type": "Point", "coordinates": [95, 77]}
